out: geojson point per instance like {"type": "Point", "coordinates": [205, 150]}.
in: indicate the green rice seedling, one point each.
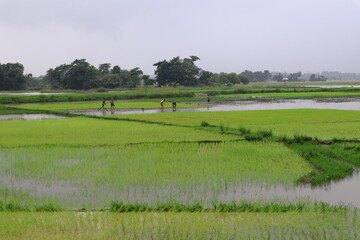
{"type": "Point", "coordinates": [83, 131]}
{"type": "Point", "coordinates": [296, 95]}
{"type": "Point", "coordinates": [92, 177]}
{"type": "Point", "coordinates": [324, 124]}
{"type": "Point", "coordinates": [244, 131]}
{"type": "Point", "coordinates": [150, 225]}
{"type": "Point", "coordinates": [328, 165]}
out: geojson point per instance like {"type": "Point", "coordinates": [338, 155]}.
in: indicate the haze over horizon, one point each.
{"type": "Point", "coordinates": [227, 35]}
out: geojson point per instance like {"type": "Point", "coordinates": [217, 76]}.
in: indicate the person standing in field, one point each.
{"type": "Point", "coordinates": [112, 104]}
{"type": "Point", "coordinates": [103, 104]}
{"type": "Point", "coordinates": [162, 102]}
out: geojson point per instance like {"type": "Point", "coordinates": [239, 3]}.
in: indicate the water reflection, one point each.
{"type": "Point", "coordinates": [340, 104]}
{"type": "Point", "coordinates": [28, 116]}
{"type": "Point", "coordinates": [346, 191]}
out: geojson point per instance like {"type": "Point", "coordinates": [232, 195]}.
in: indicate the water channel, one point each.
{"type": "Point", "coordinates": [326, 103]}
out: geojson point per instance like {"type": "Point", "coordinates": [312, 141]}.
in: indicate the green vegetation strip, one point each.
{"type": "Point", "coordinates": [92, 177]}
{"type": "Point", "coordinates": [89, 131]}
{"type": "Point", "coordinates": [118, 105]}
{"type": "Point", "coordinates": [166, 93]}
{"type": "Point", "coordinates": [105, 225]}
{"type": "Point", "coordinates": [291, 95]}
{"type": "Point", "coordinates": [333, 162]}
{"type": "Point", "coordinates": [330, 162]}
{"type": "Point", "coordinates": [11, 110]}
{"type": "Point", "coordinates": [323, 124]}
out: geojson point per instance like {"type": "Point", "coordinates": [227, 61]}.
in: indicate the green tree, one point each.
{"type": "Point", "coordinates": [77, 75]}
{"type": "Point", "coordinates": [12, 76]}
{"type": "Point", "coordinates": [116, 70]}
{"type": "Point", "coordinates": [243, 79]}
{"type": "Point", "coordinates": [112, 81]}
{"type": "Point", "coordinates": [204, 78]}
{"type": "Point", "coordinates": [105, 67]}
{"type": "Point", "coordinates": [177, 72]}
{"type": "Point", "coordinates": [80, 75]}
{"type": "Point", "coordinates": [278, 77]}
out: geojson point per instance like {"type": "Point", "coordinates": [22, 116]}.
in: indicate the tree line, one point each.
{"type": "Point", "coordinates": [81, 75]}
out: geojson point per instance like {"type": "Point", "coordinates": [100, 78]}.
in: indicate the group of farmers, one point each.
{"type": "Point", "coordinates": [112, 104]}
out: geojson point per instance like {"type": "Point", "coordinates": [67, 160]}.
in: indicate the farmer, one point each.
{"type": "Point", "coordinates": [162, 102]}
{"type": "Point", "coordinates": [112, 103]}
{"type": "Point", "coordinates": [174, 104]}
{"type": "Point", "coordinates": [103, 104]}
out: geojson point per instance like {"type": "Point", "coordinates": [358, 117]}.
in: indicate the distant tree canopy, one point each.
{"type": "Point", "coordinates": [12, 76]}
{"type": "Point", "coordinates": [257, 76]}
{"type": "Point", "coordinates": [314, 78]}
{"type": "Point", "coordinates": [81, 75]}
{"type": "Point", "coordinates": [228, 79]}
{"type": "Point", "coordinates": [177, 72]}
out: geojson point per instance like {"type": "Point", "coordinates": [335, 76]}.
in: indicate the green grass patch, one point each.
{"type": "Point", "coordinates": [118, 105]}
{"type": "Point", "coordinates": [92, 177]}
{"type": "Point", "coordinates": [11, 110]}
{"type": "Point", "coordinates": [292, 95]}
{"type": "Point", "coordinates": [323, 124]}
{"type": "Point", "coordinates": [331, 162]}
{"type": "Point", "coordinates": [277, 89]}
{"type": "Point", "coordinates": [87, 131]}
{"type": "Point", "coordinates": [150, 225]}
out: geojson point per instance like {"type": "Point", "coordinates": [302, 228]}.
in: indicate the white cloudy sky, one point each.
{"type": "Point", "coordinates": [227, 35]}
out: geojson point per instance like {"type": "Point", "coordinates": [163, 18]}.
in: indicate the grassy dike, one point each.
{"type": "Point", "coordinates": [182, 93]}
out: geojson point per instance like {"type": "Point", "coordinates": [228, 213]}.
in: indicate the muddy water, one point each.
{"type": "Point", "coordinates": [346, 192]}
{"type": "Point", "coordinates": [30, 93]}
{"type": "Point", "coordinates": [51, 93]}
{"type": "Point", "coordinates": [28, 116]}
{"type": "Point", "coordinates": [36, 187]}
{"type": "Point", "coordinates": [340, 104]}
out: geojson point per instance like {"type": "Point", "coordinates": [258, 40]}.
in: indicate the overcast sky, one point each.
{"type": "Point", "coordinates": [227, 35]}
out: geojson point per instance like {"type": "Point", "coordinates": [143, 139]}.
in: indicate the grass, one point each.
{"type": "Point", "coordinates": [324, 124]}
{"type": "Point", "coordinates": [90, 132]}
{"type": "Point", "coordinates": [11, 110]}
{"type": "Point", "coordinates": [146, 173]}
{"type": "Point", "coordinates": [148, 225]}
{"type": "Point", "coordinates": [278, 89]}
{"type": "Point", "coordinates": [332, 163]}
{"type": "Point", "coordinates": [292, 95]}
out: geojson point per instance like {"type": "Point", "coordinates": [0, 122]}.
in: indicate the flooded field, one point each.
{"type": "Point", "coordinates": [333, 86]}
{"type": "Point", "coordinates": [344, 192]}
{"type": "Point", "coordinates": [29, 116]}
{"type": "Point", "coordinates": [30, 93]}
{"type": "Point", "coordinates": [339, 104]}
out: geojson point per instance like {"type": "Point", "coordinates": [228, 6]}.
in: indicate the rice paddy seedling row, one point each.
{"type": "Point", "coordinates": [118, 105]}
{"type": "Point", "coordinates": [104, 225]}
{"type": "Point", "coordinates": [293, 95]}
{"type": "Point", "coordinates": [172, 93]}
{"type": "Point", "coordinates": [11, 110]}
{"type": "Point", "coordinates": [147, 173]}
{"type": "Point", "coordinates": [87, 131]}
{"type": "Point", "coordinates": [333, 163]}
{"type": "Point", "coordinates": [324, 124]}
